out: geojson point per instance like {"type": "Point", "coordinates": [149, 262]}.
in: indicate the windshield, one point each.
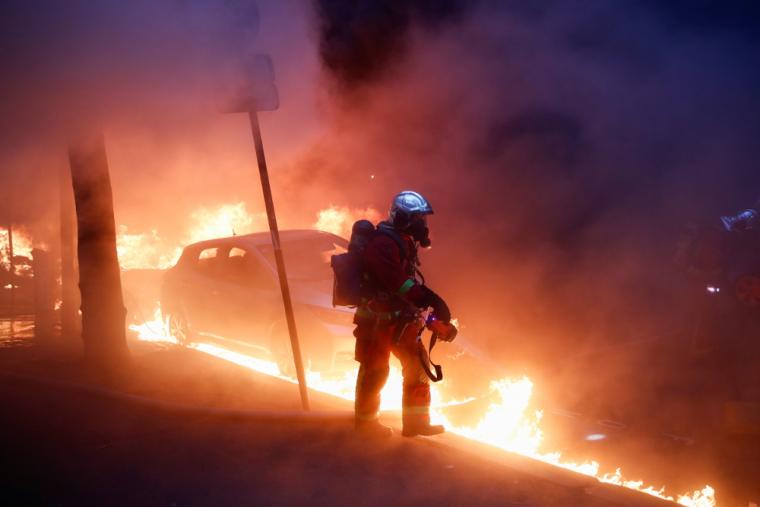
{"type": "Point", "coordinates": [307, 259]}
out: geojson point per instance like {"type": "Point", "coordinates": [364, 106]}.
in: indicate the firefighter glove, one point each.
{"type": "Point", "coordinates": [439, 306]}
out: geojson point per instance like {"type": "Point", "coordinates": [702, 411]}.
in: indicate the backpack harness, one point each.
{"type": "Point", "coordinates": [354, 287]}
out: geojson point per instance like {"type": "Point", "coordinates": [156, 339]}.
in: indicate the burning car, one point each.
{"type": "Point", "coordinates": [226, 290]}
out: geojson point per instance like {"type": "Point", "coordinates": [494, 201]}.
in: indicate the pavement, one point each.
{"type": "Point", "coordinates": [180, 428]}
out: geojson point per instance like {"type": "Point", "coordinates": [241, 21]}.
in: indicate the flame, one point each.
{"type": "Point", "coordinates": [339, 219]}
{"type": "Point", "coordinates": [508, 423]}
{"type": "Point", "coordinates": [155, 330]}
{"type": "Point", "coordinates": [22, 246]}
{"type": "Point", "coordinates": [137, 251]}
{"type": "Point", "coordinates": [150, 251]}
{"type": "Point", "coordinates": [223, 221]}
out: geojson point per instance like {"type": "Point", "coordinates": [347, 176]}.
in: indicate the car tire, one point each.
{"type": "Point", "coordinates": [179, 328]}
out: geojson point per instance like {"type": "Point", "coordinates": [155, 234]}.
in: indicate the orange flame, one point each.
{"type": "Point", "coordinates": [22, 247]}
{"type": "Point", "coordinates": [339, 219]}
{"type": "Point", "coordinates": [149, 251]}
{"type": "Point", "coordinates": [226, 220]}
{"type": "Point", "coordinates": [508, 423]}
{"type": "Point", "coordinates": [138, 251]}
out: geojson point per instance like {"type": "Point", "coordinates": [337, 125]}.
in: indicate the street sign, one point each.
{"type": "Point", "coordinates": [279, 258]}
{"type": "Point", "coordinates": [258, 91]}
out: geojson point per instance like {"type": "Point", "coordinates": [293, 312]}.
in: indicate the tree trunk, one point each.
{"type": "Point", "coordinates": [70, 325]}
{"type": "Point", "coordinates": [12, 271]}
{"type": "Point", "coordinates": [103, 313]}
{"type": "Point", "coordinates": [44, 290]}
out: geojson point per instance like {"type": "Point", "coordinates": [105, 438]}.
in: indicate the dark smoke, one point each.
{"type": "Point", "coordinates": [564, 147]}
{"type": "Point", "coordinates": [360, 40]}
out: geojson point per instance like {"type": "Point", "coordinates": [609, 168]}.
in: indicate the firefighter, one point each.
{"type": "Point", "coordinates": [386, 318]}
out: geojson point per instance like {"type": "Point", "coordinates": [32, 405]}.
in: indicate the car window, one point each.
{"type": "Point", "coordinates": [307, 259]}
{"type": "Point", "coordinates": [243, 267]}
{"type": "Point", "coordinates": [208, 261]}
{"type": "Point", "coordinates": [208, 253]}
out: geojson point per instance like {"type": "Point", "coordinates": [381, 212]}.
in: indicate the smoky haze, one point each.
{"type": "Point", "coordinates": [154, 76]}
{"type": "Point", "coordinates": [563, 146]}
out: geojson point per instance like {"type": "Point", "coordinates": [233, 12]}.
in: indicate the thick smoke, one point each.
{"type": "Point", "coordinates": [565, 147]}
{"type": "Point", "coordinates": [360, 41]}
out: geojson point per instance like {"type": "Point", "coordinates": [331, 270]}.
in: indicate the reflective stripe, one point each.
{"type": "Point", "coordinates": [406, 286]}
{"type": "Point", "coordinates": [416, 409]}
{"type": "Point", "coordinates": [366, 312]}
{"type": "Point", "coordinates": [366, 417]}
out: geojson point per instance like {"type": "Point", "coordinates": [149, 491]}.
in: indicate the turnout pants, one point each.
{"type": "Point", "coordinates": [374, 345]}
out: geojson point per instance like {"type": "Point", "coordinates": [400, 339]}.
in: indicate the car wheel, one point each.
{"type": "Point", "coordinates": [179, 329]}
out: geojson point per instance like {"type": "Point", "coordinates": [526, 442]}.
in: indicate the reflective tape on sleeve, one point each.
{"type": "Point", "coordinates": [406, 286]}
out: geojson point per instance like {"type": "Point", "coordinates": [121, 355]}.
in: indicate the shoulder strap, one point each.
{"type": "Point", "coordinates": [424, 357]}
{"type": "Point", "coordinates": [388, 230]}
{"type": "Point", "coordinates": [391, 233]}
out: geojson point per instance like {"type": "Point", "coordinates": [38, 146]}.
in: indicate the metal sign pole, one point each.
{"type": "Point", "coordinates": [12, 269]}
{"type": "Point", "coordinates": [263, 173]}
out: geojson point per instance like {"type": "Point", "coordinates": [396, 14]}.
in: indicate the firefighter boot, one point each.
{"type": "Point", "coordinates": [369, 383]}
{"type": "Point", "coordinates": [419, 425]}
{"type": "Point", "coordinates": [372, 429]}
{"type": "Point", "coordinates": [416, 412]}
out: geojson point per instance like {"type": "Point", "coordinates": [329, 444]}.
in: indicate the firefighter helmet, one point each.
{"type": "Point", "coordinates": [405, 205]}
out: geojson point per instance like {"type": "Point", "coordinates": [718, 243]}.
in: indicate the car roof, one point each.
{"type": "Point", "coordinates": [263, 238]}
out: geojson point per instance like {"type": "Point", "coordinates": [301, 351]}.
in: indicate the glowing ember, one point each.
{"type": "Point", "coordinates": [339, 219]}
{"type": "Point", "coordinates": [508, 423]}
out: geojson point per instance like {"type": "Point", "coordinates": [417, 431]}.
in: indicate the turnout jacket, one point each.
{"type": "Point", "coordinates": [392, 272]}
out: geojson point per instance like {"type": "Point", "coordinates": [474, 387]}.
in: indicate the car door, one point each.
{"type": "Point", "coordinates": [248, 296]}
{"type": "Point", "coordinates": [201, 287]}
